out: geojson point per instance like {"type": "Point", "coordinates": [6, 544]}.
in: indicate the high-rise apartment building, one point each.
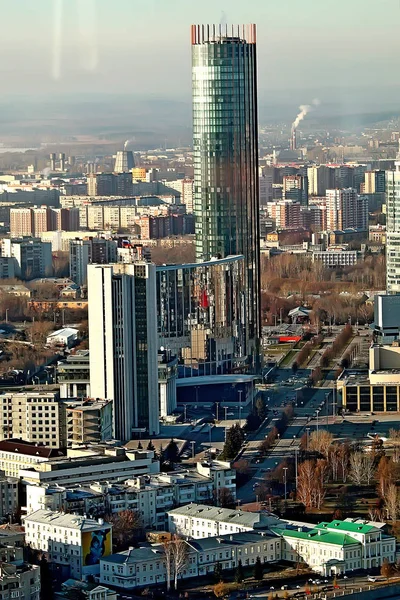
{"type": "Point", "coordinates": [89, 251]}
{"type": "Point", "coordinates": [393, 229]}
{"type": "Point", "coordinates": [295, 187]}
{"type": "Point", "coordinates": [21, 222]}
{"type": "Point", "coordinates": [185, 188]}
{"type": "Point", "coordinates": [123, 344]}
{"type": "Point", "coordinates": [33, 258]}
{"type": "Point", "coordinates": [345, 209]}
{"type": "Point", "coordinates": [320, 179]}
{"type": "Point", "coordinates": [225, 143]}
{"type": "Point", "coordinates": [374, 182]}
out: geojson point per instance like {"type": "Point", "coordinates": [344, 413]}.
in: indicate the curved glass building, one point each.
{"type": "Point", "coordinates": [225, 141]}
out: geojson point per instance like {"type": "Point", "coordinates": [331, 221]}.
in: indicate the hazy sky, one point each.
{"type": "Point", "coordinates": [143, 47]}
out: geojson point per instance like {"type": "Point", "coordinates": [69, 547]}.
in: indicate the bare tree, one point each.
{"type": "Point", "coordinates": [168, 563]}
{"type": "Point", "coordinates": [306, 483]}
{"type": "Point", "coordinates": [362, 468]}
{"type": "Point", "coordinates": [125, 524]}
{"type": "Point", "coordinates": [179, 558]}
{"type": "Point", "coordinates": [392, 502]}
{"type": "Point", "coordinates": [224, 497]}
{"type": "Point", "coordinates": [321, 441]}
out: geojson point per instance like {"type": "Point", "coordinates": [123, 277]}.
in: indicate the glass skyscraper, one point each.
{"type": "Point", "coordinates": [225, 140]}
{"type": "Point", "coordinates": [393, 229]}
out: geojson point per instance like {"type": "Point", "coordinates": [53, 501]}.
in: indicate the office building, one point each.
{"type": "Point", "coordinates": [225, 142]}
{"type": "Point", "coordinates": [346, 209]}
{"type": "Point", "coordinates": [17, 454]}
{"type": "Point", "coordinates": [295, 188]}
{"type": "Point", "coordinates": [33, 258]}
{"type": "Point", "coordinates": [200, 315]}
{"type": "Point", "coordinates": [73, 375]}
{"type": "Point", "coordinates": [89, 251]}
{"type": "Point", "coordinates": [334, 258]}
{"type": "Point", "coordinates": [167, 376]}
{"type": "Point", "coordinates": [386, 318]}
{"type": "Point", "coordinates": [393, 229]}
{"type": "Point", "coordinates": [83, 466]}
{"type": "Point", "coordinates": [67, 540]}
{"type": "Point", "coordinates": [123, 344]}
{"type": "Point", "coordinates": [124, 162]}
{"type": "Point", "coordinates": [53, 162]}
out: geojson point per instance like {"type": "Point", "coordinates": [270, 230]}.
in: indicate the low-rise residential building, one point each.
{"type": "Point", "coordinates": [199, 521]}
{"type": "Point", "coordinates": [145, 566]}
{"type": "Point", "coordinates": [91, 591]}
{"type": "Point", "coordinates": [74, 543]}
{"type": "Point", "coordinates": [152, 496]}
{"type": "Point", "coordinates": [19, 581]}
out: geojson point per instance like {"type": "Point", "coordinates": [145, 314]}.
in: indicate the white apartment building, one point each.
{"type": "Point", "coordinates": [150, 495]}
{"type": "Point", "coordinates": [70, 541]}
{"type": "Point", "coordinates": [33, 258]}
{"type": "Point", "coordinates": [185, 189]}
{"type": "Point", "coordinates": [200, 521]}
{"type": "Point", "coordinates": [141, 567]}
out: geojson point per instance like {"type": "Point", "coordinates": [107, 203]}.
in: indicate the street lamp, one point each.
{"type": "Point", "coordinates": [285, 479]}
{"type": "Point", "coordinates": [185, 413]}
{"type": "Point", "coordinates": [308, 436]}
{"type": "Point", "coordinates": [240, 392]}
{"type": "Point", "coordinates": [193, 448]}
{"type": "Point", "coordinates": [317, 413]}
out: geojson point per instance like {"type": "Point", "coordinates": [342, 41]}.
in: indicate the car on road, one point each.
{"type": "Point", "coordinates": [372, 579]}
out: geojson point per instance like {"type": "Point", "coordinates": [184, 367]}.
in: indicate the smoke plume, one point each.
{"type": "Point", "coordinates": [304, 110]}
{"type": "Point", "coordinates": [126, 144]}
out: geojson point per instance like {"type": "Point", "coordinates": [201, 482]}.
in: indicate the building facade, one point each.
{"type": "Point", "coordinates": [200, 314]}
{"type": "Point", "coordinates": [393, 229]}
{"type": "Point", "coordinates": [73, 543]}
{"type": "Point", "coordinates": [124, 345]}
{"type": "Point", "coordinates": [225, 142]}
{"type": "Point", "coordinates": [346, 209]}
{"type": "Point", "coordinates": [33, 258]}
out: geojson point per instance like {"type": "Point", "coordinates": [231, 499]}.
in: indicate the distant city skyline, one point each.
{"type": "Point", "coordinates": [54, 46]}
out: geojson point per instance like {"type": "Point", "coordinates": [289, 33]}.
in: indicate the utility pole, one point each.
{"type": "Point", "coordinates": [285, 479]}
{"type": "Point", "coordinates": [217, 411]}
{"type": "Point", "coordinates": [296, 464]}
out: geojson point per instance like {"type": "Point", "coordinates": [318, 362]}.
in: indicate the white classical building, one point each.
{"type": "Point", "coordinates": [145, 566]}
{"type": "Point", "coordinates": [73, 542]}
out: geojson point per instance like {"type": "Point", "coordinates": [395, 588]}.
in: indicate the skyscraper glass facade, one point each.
{"type": "Point", "coordinates": [200, 315]}
{"type": "Point", "coordinates": [225, 140]}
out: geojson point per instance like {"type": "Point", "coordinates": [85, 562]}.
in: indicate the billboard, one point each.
{"type": "Point", "coordinates": [95, 545]}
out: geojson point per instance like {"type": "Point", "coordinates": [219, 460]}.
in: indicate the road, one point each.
{"type": "Point", "coordinates": [307, 405]}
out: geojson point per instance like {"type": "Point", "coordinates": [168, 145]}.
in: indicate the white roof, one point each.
{"type": "Point", "coordinates": [65, 332]}
{"type": "Point", "coordinates": [67, 520]}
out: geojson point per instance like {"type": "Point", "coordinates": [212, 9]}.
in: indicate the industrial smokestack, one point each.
{"type": "Point", "coordinates": [293, 139]}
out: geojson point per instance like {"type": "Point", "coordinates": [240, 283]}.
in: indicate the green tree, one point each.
{"type": "Point", "coordinates": [233, 442]}
{"type": "Point", "coordinates": [218, 572]}
{"type": "Point", "coordinates": [150, 446]}
{"type": "Point", "coordinates": [139, 446]}
{"type": "Point", "coordinates": [172, 451]}
{"type": "Point", "coordinates": [258, 570]}
{"type": "Point", "coordinates": [46, 588]}
{"type": "Point", "coordinates": [239, 573]}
